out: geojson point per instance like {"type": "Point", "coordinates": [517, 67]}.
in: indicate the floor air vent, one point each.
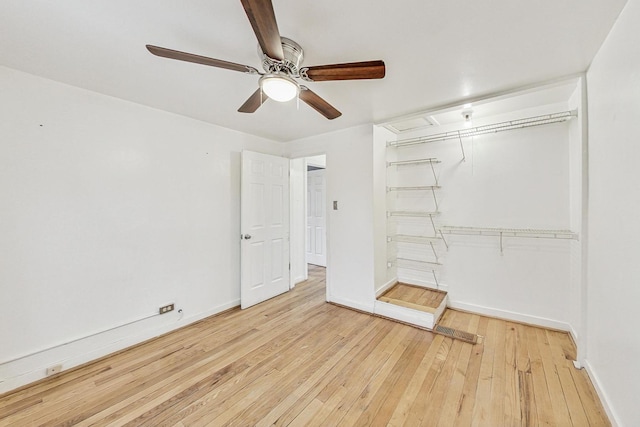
{"type": "Point", "coordinates": [456, 334]}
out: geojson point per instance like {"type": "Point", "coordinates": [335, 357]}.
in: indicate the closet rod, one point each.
{"type": "Point", "coordinates": [418, 188]}
{"type": "Point", "coordinates": [405, 238]}
{"type": "Point", "coordinates": [509, 232]}
{"type": "Point", "coordinates": [413, 162]}
{"type": "Point", "coordinates": [416, 214]}
{"type": "Point", "coordinates": [492, 128]}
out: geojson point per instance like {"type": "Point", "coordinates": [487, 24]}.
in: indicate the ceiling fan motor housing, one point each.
{"type": "Point", "coordinates": [290, 64]}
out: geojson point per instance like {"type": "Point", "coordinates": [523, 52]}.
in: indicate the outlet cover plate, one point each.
{"type": "Point", "coordinates": [52, 370]}
{"type": "Point", "coordinates": [166, 308]}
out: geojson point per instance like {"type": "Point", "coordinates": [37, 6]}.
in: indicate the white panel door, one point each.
{"type": "Point", "coordinates": [316, 218]}
{"type": "Point", "coordinates": [264, 219]}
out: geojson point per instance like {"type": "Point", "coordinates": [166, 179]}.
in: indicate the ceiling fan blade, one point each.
{"type": "Point", "coordinates": [254, 101]}
{"type": "Point", "coordinates": [348, 71]}
{"type": "Point", "coordinates": [318, 104]}
{"type": "Point", "coordinates": [263, 21]}
{"type": "Point", "coordinates": [190, 57]}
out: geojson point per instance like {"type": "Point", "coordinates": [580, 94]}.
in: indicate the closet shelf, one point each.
{"type": "Point", "coordinates": [414, 264]}
{"type": "Point", "coordinates": [415, 214]}
{"type": "Point", "coordinates": [492, 128]}
{"type": "Point", "coordinates": [418, 188]}
{"type": "Point", "coordinates": [413, 162]}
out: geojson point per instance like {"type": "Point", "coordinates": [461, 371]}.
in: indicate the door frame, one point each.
{"type": "Point", "coordinates": [304, 219]}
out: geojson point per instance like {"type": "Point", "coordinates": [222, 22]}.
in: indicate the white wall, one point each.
{"type": "Point", "coordinates": [350, 262]}
{"type": "Point", "coordinates": [108, 210]}
{"type": "Point", "coordinates": [514, 179]}
{"type": "Point", "coordinates": [613, 342]}
{"type": "Point", "coordinates": [383, 276]}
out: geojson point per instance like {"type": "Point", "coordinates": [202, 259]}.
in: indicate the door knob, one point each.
{"type": "Point", "coordinates": [247, 236]}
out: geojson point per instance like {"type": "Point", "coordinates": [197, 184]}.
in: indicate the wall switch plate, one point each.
{"type": "Point", "coordinates": [335, 205]}
{"type": "Point", "coordinates": [52, 370]}
{"type": "Point", "coordinates": [166, 308]}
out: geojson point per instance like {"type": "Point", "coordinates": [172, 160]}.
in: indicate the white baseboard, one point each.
{"type": "Point", "coordinates": [574, 335]}
{"type": "Point", "coordinates": [510, 315]}
{"type": "Point", "coordinates": [357, 305]}
{"type": "Point", "coordinates": [604, 398]}
{"type": "Point", "coordinates": [384, 288]}
{"type": "Point", "coordinates": [31, 368]}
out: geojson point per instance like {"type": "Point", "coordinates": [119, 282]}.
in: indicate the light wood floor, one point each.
{"type": "Point", "coordinates": [296, 360]}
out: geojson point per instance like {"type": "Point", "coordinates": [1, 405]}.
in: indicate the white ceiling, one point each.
{"type": "Point", "coordinates": [436, 52]}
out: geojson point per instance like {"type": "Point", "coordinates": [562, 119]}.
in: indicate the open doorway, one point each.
{"type": "Point", "coordinates": [309, 247]}
{"type": "Point", "coordinates": [316, 231]}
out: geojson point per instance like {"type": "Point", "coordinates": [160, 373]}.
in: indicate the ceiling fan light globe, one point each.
{"type": "Point", "coordinates": [279, 88]}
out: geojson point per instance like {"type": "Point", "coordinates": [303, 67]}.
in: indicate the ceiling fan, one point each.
{"type": "Point", "coordinates": [281, 61]}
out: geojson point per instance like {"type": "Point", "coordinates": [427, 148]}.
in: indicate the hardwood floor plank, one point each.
{"type": "Point", "coordinates": [482, 405]}
{"type": "Point", "coordinates": [512, 410]}
{"type": "Point", "coordinates": [564, 367]}
{"type": "Point", "coordinates": [412, 391]}
{"type": "Point", "coordinates": [544, 408]}
{"type": "Point", "coordinates": [454, 398]}
{"type": "Point", "coordinates": [429, 410]}
{"type": "Point", "coordinates": [379, 400]}
{"type": "Point", "coordinates": [590, 403]}
{"type": "Point", "coordinates": [528, 411]}
{"type": "Point", "coordinates": [558, 403]}
{"type": "Point", "coordinates": [470, 387]}
{"type": "Point", "coordinates": [498, 387]}
{"type": "Point", "coordinates": [354, 378]}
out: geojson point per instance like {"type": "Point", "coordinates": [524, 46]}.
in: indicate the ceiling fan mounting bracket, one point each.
{"type": "Point", "coordinates": [303, 74]}
{"type": "Point", "coordinates": [290, 64]}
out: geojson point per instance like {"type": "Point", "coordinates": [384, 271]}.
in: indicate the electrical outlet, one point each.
{"type": "Point", "coordinates": [166, 308]}
{"type": "Point", "coordinates": [52, 370]}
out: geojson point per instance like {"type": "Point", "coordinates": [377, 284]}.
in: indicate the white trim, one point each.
{"type": "Point", "coordinates": [404, 314]}
{"type": "Point", "coordinates": [357, 305]}
{"type": "Point", "coordinates": [33, 368]}
{"type": "Point", "coordinates": [574, 335]}
{"type": "Point", "coordinates": [384, 288]}
{"type": "Point", "coordinates": [511, 315]}
{"type": "Point", "coordinates": [604, 398]}
{"type": "Point", "coordinates": [440, 310]}
{"type": "Point", "coordinates": [297, 280]}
